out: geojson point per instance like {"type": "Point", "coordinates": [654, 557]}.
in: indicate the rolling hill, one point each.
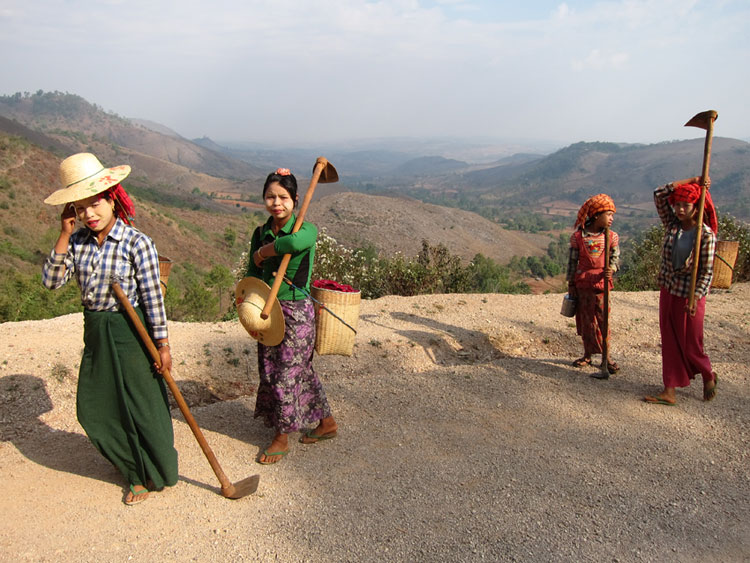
{"type": "Point", "coordinates": [162, 156]}
{"type": "Point", "coordinates": [401, 224]}
{"type": "Point", "coordinates": [29, 228]}
{"type": "Point", "coordinates": [627, 172]}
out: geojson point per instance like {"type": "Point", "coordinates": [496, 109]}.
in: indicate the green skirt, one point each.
{"type": "Point", "coordinates": [122, 402]}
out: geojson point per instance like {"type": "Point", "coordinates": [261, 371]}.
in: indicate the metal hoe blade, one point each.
{"type": "Point", "coordinates": [703, 119]}
{"type": "Point", "coordinates": [241, 488]}
{"type": "Point", "coordinates": [328, 175]}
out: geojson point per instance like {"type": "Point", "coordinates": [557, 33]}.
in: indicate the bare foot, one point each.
{"type": "Point", "coordinates": [276, 451]}
{"type": "Point", "coordinates": [709, 388]}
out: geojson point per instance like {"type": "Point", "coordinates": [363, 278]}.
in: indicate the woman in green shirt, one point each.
{"type": "Point", "coordinates": [290, 395]}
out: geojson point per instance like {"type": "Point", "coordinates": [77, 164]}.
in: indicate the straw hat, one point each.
{"type": "Point", "coordinates": [251, 295]}
{"type": "Point", "coordinates": [82, 175]}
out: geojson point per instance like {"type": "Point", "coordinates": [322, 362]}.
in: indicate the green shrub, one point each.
{"type": "Point", "coordinates": [23, 297]}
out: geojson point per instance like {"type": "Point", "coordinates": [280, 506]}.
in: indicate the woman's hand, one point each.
{"type": "Point", "coordinates": [68, 219]}
{"type": "Point", "coordinates": [258, 258]}
{"type": "Point", "coordinates": [263, 253]}
{"type": "Point", "coordinates": [166, 360]}
{"type": "Point", "coordinates": [67, 226]}
{"type": "Point", "coordinates": [694, 180]}
{"type": "Point", "coordinates": [691, 310]}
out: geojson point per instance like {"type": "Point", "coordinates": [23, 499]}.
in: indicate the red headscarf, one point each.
{"type": "Point", "coordinates": [124, 207]}
{"type": "Point", "coordinates": [691, 193]}
{"type": "Point", "coordinates": [594, 205]}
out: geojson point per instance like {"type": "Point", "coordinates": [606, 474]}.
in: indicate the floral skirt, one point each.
{"type": "Point", "coordinates": [589, 319]}
{"type": "Point", "coordinates": [290, 394]}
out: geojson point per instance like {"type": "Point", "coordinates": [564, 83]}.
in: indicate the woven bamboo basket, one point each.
{"type": "Point", "coordinates": [165, 265]}
{"type": "Point", "coordinates": [331, 335]}
{"type": "Point", "coordinates": [724, 259]}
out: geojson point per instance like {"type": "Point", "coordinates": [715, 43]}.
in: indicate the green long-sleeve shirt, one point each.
{"type": "Point", "coordinates": [301, 245]}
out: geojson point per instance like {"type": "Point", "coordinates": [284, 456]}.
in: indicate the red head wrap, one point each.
{"type": "Point", "coordinates": [124, 207]}
{"type": "Point", "coordinates": [691, 193]}
{"type": "Point", "coordinates": [594, 205]}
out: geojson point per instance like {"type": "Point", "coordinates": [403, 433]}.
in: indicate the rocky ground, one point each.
{"type": "Point", "coordinates": [465, 435]}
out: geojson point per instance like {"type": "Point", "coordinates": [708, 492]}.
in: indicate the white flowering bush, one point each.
{"type": "Point", "coordinates": [433, 270]}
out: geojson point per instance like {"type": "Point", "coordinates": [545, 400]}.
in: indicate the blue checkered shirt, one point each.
{"type": "Point", "coordinates": [128, 255]}
{"type": "Point", "coordinates": [677, 280]}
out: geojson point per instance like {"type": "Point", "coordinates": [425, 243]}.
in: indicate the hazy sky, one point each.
{"type": "Point", "coordinates": [317, 70]}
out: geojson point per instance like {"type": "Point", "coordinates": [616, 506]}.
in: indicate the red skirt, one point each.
{"type": "Point", "coordinates": [682, 354]}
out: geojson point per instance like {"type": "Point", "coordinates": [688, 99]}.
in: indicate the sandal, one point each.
{"type": "Point", "coordinates": [581, 362]}
{"type": "Point", "coordinates": [138, 496]}
{"type": "Point", "coordinates": [612, 367]}
{"type": "Point", "coordinates": [279, 454]}
{"type": "Point", "coordinates": [310, 437]}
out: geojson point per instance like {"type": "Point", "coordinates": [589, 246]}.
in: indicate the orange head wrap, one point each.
{"type": "Point", "coordinates": [594, 205]}
{"type": "Point", "coordinates": [691, 193]}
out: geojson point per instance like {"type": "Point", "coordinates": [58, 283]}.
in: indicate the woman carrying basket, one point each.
{"type": "Point", "coordinates": [121, 402]}
{"type": "Point", "coordinates": [290, 395]}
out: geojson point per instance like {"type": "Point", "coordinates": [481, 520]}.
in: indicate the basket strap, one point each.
{"type": "Point", "coordinates": [725, 262]}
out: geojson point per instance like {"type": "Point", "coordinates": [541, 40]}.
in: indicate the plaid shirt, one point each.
{"type": "Point", "coordinates": [128, 255]}
{"type": "Point", "coordinates": [677, 281]}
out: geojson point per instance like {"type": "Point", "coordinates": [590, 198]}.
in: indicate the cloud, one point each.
{"type": "Point", "coordinates": [262, 68]}
{"type": "Point", "coordinates": [596, 60]}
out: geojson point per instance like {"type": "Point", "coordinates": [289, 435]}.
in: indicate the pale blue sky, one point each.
{"type": "Point", "coordinates": [319, 70]}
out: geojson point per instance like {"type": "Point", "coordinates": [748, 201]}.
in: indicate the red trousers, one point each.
{"type": "Point", "coordinates": [682, 355]}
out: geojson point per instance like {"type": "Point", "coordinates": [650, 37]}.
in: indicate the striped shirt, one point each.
{"type": "Point", "coordinates": [127, 255]}
{"type": "Point", "coordinates": [677, 280]}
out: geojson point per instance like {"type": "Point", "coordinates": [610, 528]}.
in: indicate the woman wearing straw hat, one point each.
{"type": "Point", "coordinates": [121, 403]}
{"type": "Point", "coordinates": [290, 395]}
{"type": "Point", "coordinates": [680, 325]}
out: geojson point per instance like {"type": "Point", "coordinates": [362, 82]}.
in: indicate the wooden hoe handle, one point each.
{"type": "Point", "coordinates": [226, 484]}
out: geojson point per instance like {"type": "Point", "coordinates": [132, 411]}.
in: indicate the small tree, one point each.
{"type": "Point", "coordinates": [230, 236]}
{"type": "Point", "coordinates": [221, 278]}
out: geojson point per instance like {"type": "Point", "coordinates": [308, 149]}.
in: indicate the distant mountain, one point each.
{"type": "Point", "coordinates": [628, 172]}
{"type": "Point", "coordinates": [14, 128]}
{"type": "Point", "coordinates": [429, 165]}
{"type": "Point", "coordinates": [158, 127]}
{"type": "Point", "coordinates": [80, 126]}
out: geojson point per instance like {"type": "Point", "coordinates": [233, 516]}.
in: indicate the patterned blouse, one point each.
{"type": "Point", "coordinates": [595, 240]}
{"type": "Point", "coordinates": [677, 280]}
{"type": "Point", "coordinates": [127, 255]}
